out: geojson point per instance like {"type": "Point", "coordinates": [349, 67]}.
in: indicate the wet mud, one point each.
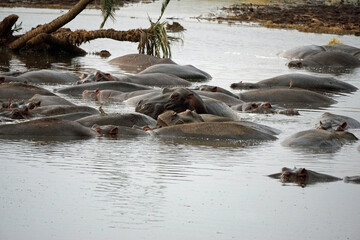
{"type": "Point", "coordinates": [341, 19]}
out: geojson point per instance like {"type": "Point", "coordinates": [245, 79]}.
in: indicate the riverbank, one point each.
{"type": "Point", "coordinates": [340, 19]}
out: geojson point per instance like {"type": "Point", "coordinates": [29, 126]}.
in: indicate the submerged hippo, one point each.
{"type": "Point", "coordinates": [118, 119]}
{"type": "Point", "coordinates": [308, 50]}
{"type": "Point", "coordinates": [213, 131]}
{"type": "Point", "coordinates": [112, 85]}
{"type": "Point", "coordinates": [285, 97]}
{"type": "Point", "coordinates": [225, 98]}
{"type": "Point", "coordinates": [187, 72]}
{"type": "Point", "coordinates": [21, 91]}
{"type": "Point", "coordinates": [46, 127]}
{"type": "Point", "coordinates": [336, 57]}
{"type": "Point", "coordinates": [118, 131]}
{"type": "Point", "coordinates": [297, 80]}
{"type": "Point", "coordinates": [181, 99]}
{"type": "Point", "coordinates": [151, 79]}
{"type": "Point", "coordinates": [52, 110]}
{"type": "Point", "coordinates": [170, 118]}
{"type": "Point", "coordinates": [138, 62]}
{"type": "Point", "coordinates": [302, 176]}
{"type": "Point", "coordinates": [45, 100]}
{"type": "Point", "coordinates": [332, 121]}
{"type": "Point", "coordinates": [264, 108]}
{"type": "Point", "coordinates": [42, 77]}
{"type": "Point", "coordinates": [210, 88]}
{"type": "Point", "coordinates": [319, 139]}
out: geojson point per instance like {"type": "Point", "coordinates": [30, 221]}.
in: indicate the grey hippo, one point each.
{"type": "Point", "coordinates": [187, 72]}
{"type": "Point", "coordinates": [42, 77]}
{"type": "Point", "coordinates": [332, 121]}
{"type": "Point", "coordinates": [302, 176]}
{"type": "Point", "coordinates": [264, 108]}
{"type": "Point", "coordinates": [179, 100]}
{"type": "Point", "coordinates": [21, 91]}
{"type": "Point", "coordinates": [319, 140]}
{"type": "Point", "coordinates": [46, 127]}
{"type": "Point", "coordinates": [288, 98]}
{"type": "Point", "coordinates": [327, 58]}
{"type": "Point", "coordinates": [118, 131]}
{"type": "Point", "coordinates": [298, 80]}
{"type": "Point", "coordinates": [138, 62]}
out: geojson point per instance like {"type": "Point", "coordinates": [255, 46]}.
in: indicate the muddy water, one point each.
{"type": "Point", "coordinates": [156, 189]}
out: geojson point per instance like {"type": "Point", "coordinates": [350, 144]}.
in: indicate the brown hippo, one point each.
{"type": "Point", "coordinates": [21, 91]}
{"type": "Point", "coordinates": [138, 62]}
{"type": "Point", "coordinates": [187, 72]}
{"type": "Point", "coordinates": [213, 131]}
{"type": "Point", "coordinates": [285, 97]}
{"type": "Point", "coordinates": [43, 77]}
{"type": "Point", "coordinates": [330, 121]}
{"type": "Point", "coordinates": [46, 127]}
{"type": "Point", "coordinates": [118, 131]}
{"type": "Point", "coordinates": [319, 139]}
{"type": "Point", "coordinates": [297, 80]}
{"type": "Point", "coordinates": [302, 176]}
{"type": "Point", "coordinates": [263, 107]}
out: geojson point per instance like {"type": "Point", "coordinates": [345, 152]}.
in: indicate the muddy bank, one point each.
{"type": "Point", "coordinates": [57, 4]}
{"type": "Point", "coordinates": [341, 19]}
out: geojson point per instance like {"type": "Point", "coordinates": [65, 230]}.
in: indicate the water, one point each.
{"type": "Point", "coordinates": [160, 189]}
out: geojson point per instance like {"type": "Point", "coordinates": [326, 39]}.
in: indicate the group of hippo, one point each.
{"type": "Point", "coordinates": [167, 104]}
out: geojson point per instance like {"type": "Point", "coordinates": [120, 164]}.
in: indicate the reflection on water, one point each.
{"type": "Point", "coordinates": [147, 188]}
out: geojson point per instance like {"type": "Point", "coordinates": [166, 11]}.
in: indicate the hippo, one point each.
{"type": "Point", "coordinates": [21, 91]}
{"type": "Point", "coordinates": [225, 98]}
{"type": "Point", "coordinates": [308, 50]}
{"type": "Point", "coordinates": [327, 62]}
{"type": "Point", "coordinates": [319, 139]}
{"type": "Point", "coordinates": [331, 121]}
{"type": "Point", "coordinates": [118, 131]}
{"type": "Point", "coordinates": [213, 131]}
{"type": "Point", "coordinates": [51, 110]}
{"type": "Point", "coordinates": [46, 127]}
{"type": "Point", "coordinates": [285, 97]}
{"type": "Point", "coordinates": [302, 176]}
{"type": "Point", "coordinates": [45, 100]}
{"type": "Point", "coordinates": [169, 118]}
{"type": "Point", "coordinates": [43, 77]}
{"type": "Point", "coordinates": [298, 80]}
{"type": "Point", "coordinates": [150, 79]}
{"type": "Point", "coordinates": [138, 62]}
{"type": "Point", "coordinates": [352, 179]}
{"type": "Point", "coordinates": [263, 107]}
{"type": "Point", "coordinates": [181, 99]}
{"type": "Point", "coordinates": [118, 119]}
{"type": "Point", "coordinates": [210, 88]}
{"type": "Point", "coordinates": [112, 85]}
{"type": "Point", "coordinates": [187, 72]}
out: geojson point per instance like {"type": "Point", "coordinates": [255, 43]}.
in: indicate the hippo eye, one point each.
{"type": "Point", "coordinates": [174, 96]}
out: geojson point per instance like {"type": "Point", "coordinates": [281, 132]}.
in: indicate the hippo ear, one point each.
{"type": "Point", "coordinates": [320, 125]}
{"type": "Point", "coordinates": [214, 89]}
{"type": "Point", "coordinates": [114, 131]}
{"type": "Point", "coordinates": [343, 125]}
{"type": "Point", "coordinates": [166, 90]}
{"type": "Point", "coordinates": [97, 91]}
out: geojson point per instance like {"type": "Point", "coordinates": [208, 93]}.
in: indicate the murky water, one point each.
{"type": "Point", "coordinates": [160, 189]}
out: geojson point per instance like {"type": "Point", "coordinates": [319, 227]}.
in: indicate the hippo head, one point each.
{"type": "Point", "coordinates": [330, 127]}
{"type": "Point", "coordinates": [296, 175]}
{"type": "Point", "coordinates": [242, 85]}
{"type": "Point", "coordinates": [177, 99]}
{"type": "Point", "coordinates": [106, 130]}
{"type": "Point", "coordinates": [170, 117]}
{"type": "Point", "coordinates": [296, 64]}
{"type": "Point", "coordinates": [91, 95]}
